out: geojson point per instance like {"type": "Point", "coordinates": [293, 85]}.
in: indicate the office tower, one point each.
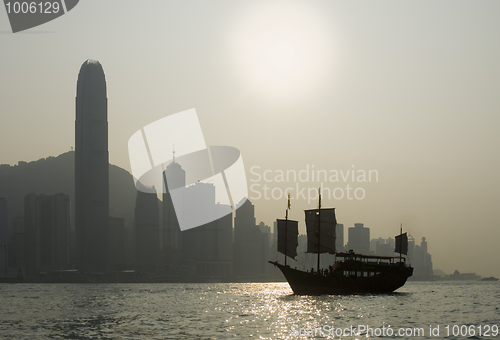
{"type": "Point", "coordinates": [359, 239]}
{"type": "Point", "coordinates": [339, 238]}
{"type": "Point", "coordinates": [147, 232]}
{"type": "Point", "coordinates": [175, 176]}
{"type": "Point", "coordinates": [274, 241]}
{"type": "Point", "coordinates": [32, 231]}
{"type": "Point", "coordinates": [57, 229]}
{"type": "Point", "coordinates": [209, 246]}
{"type": "Point", "coordinates": [46, 232]}
{"type": "Point", "coordinates": [19, 251]}
{"type": "Point", "coordinates": [266, 247]}
{"type": "Point", "coordinates": [91, 169]}
{"type": "Point", "coordinates": [249, 254]}
{"type": "Point", "coordinates": [264, 228]}
{"type": "Point", "coordinates": [117, 242]}
{"type": "Point", "coordinates": [3, 236]}
{"type": "Point", "coordinates": [422, 260]}
{"type": "Point", "coordinates": [411, 250]}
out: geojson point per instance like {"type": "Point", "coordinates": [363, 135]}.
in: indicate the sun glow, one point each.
{"type": "Point", "coordinates": [281, 49]}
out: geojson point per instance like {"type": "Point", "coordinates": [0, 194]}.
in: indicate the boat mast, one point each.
{"type": "Point", "coordinates": [401, 246]}
{"type": "Point", "coordinates": [286, 226]}
{"type": "Point", "coordinates": [319, 223]}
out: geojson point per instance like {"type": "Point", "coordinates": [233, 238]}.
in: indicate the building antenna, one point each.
{"type": "Point", "coordinates": [173, 154]}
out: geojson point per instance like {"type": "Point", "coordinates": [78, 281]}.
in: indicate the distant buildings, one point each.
{"type": "Point", "coordinates": [92, 169]}
{"type": "Point", "coordinates": [418, 255]}
{"type": "Point", "coordinates": [381, 246]}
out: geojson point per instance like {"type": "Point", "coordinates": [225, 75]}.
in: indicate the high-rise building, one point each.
{"type": "Point", "coordinates": [359, 239]}
{"type": "Point", "coordinates": [46, 232]}
{"type": "Point", "coordinates": [18, 229]}
{"type": "Point", "coordinates": [117, 258]}
{"type": "Point", "coordinates": [91, 169]}
{"type": "Point", "coordinates": [147, 232]}
{"type": "Point", "coordinates": [422, 260]}
{"type": "Point", "coordinates": [208, 247]}
{"type": "Point", "coordinates": [411, 249]}
{"type": "Point", "coordinates": [249, 252]}
{"type": "Point", "coordinates": [58, 229]}
{"type": "Point", "coordinates": [175, 176]}
{"type": "Point", "coordinates": [32, 232]}
{"type": "Point", "coordinates": [3, 235]}
{"type": "Point", "coordinates": [339, 237]}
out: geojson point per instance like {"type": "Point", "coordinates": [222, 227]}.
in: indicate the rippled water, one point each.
{"type": "Point", "coordinates": [237, 311]}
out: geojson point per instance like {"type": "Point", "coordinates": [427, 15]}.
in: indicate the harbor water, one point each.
{"type": "Point", "coordinates": [418, 310]}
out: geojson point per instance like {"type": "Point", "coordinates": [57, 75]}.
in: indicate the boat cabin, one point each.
{"type": "Point", "coordinates": [361, 265]}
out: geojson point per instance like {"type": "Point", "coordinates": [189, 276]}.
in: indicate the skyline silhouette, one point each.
{"type": "Point", "coordinates": [414, 98]}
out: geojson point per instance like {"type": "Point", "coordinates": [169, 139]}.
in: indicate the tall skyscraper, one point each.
{"type": "Point", "coordinates": [91, 169]}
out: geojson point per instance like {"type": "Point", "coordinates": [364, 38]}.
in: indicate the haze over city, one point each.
{"type": "Point", "coordinates": [407, 93]}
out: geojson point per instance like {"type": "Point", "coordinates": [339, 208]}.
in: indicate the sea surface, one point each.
{"type": "Point", "coordinates": [246, 311]}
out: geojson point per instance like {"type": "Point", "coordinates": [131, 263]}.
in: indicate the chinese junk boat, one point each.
{"type": "Point", "coordinates": [351, 273]}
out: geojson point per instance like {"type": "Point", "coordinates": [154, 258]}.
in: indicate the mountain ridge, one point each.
{"type": "Point", "coordinates": [53, 175]}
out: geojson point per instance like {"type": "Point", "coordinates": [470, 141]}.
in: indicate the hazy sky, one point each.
{"type": "Point", "coordinates": [409, 89]}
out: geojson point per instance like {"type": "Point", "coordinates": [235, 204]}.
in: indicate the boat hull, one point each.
{"type": "Point", "coordinates": [306, 283]}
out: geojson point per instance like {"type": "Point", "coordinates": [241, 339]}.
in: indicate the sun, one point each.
{"type": "Point", "coordinates": [278, 58]}
{"type": "Point", "coordinates": [281, 49]}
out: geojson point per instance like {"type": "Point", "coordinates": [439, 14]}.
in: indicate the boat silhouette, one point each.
{"type": "Point", "coordinates": [351, 273]}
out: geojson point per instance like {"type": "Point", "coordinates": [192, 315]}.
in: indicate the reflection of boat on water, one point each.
{"type": "Point", "coordinates": [491, 278]}
{"type": "Point", "coordinates": [351, 273]}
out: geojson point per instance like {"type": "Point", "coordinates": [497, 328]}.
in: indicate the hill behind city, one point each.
{"type": "Point", "coordinates": [53, 175]}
